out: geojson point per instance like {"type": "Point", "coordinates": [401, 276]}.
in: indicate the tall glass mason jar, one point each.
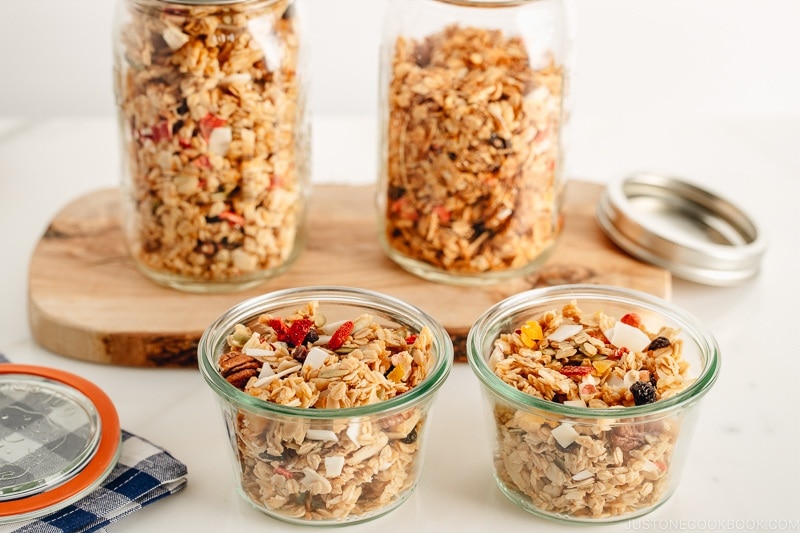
{"type": "Point", "coordinates": [472, 99]}
{"type": "Point", "coordinates": [211, 96]}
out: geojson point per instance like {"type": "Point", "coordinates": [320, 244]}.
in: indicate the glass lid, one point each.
{"type": "Point", "coordinates": [59, 440]}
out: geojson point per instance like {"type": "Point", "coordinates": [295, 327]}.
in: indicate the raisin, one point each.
{"type": "Point", "coordinates": [643, 392]}
{"type": "Point", "coordinates": [311, 337]}
{"type": "Point", "coordinates": [657, 343]}
{"type": "Point", "coordinates": [411, 437]}
{"type": "Point", "coordinates": [299, 353]}
{"type": "Point", "coordinates": [498, 142]}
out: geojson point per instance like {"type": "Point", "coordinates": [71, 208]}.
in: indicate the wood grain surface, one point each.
{"type": "Point", "coordinates": [88, 301]}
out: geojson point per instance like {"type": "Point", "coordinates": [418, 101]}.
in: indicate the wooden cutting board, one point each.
{"type": "Point", "coordinates": [88, 301]}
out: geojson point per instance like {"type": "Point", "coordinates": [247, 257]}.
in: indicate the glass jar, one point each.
{"type": "Point", "coordinates": [472, 114]}
{"type": "Point", "coordinates": [325, 393]}
{"type": "Point", "coordinates": [211, 99]}
{"type": "Point", "coordinates": [591, 395]}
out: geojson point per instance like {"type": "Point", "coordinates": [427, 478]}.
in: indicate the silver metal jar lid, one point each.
{"type": "Point", "coordinates": [690, 231]}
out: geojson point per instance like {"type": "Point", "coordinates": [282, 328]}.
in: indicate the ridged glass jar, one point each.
{"type": "Point", "coordinates": [317, 460]}
{"type": "Point", "coordinates": [472, 115]}
{"type": "Point", "coordinates": [579, 434]}
{"type": "Point", "coordinates": [215, 135]}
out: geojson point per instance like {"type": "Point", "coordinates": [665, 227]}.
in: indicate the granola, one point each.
{"type": "Point", "coordinates": [472, 154]}
{"type": "Point", "coordinates": [214, 137]}
{"type": "Point", "coordinates": [588, 468]}
{"type": "Point", "coordinates": [336, 467]}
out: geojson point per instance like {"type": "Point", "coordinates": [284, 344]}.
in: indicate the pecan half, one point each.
{"type": "Point", "coordinates": [627, 437]}
{"type": "Point", "coordinates": [237, 368]}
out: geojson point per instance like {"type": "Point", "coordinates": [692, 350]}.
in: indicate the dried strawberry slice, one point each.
{"type": "Point", "coordinates": [298, 330]}
{"type": "Point", "coordinates": [574, 370]}
{"type": "Point", "coordinates": [280, 328]}
{"type": "Point", "coordinates": [209, 122]}
{"type": "Point", "coordinates": [340, 335]}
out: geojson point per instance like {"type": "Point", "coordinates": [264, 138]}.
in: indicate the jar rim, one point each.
{"type": "Point", "coordinates": [505, 309]}
{"type": "Point", "coordinates": [487, 3]}
{"type": "Point", "coordinates": [213, 338]}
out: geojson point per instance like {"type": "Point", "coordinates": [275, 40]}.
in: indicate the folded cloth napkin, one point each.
{"type": "Point", "coordinates": [145, 473]}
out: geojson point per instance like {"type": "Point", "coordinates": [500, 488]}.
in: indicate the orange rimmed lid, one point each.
{"type": "Point", "coordinates": [59, 439]}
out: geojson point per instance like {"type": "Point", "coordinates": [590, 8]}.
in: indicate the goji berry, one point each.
{"type": "Point", "coordinates": [283, 472]}
{"type": "Point", "coordinates": [232, 218]}
{"type": "Point", "coordinates": [340, 335]}
{"type": "Point", "coordinates": [411, 339]}
{"type": "Point", "coordinates": [573, 370]}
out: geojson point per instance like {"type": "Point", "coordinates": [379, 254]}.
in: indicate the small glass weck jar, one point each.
{"type": "Point", "coordinates": [211, 98]}
{"type": "Point", "coordinates": [591, 396]}
{"type": "Point", "coordinates": [325, 393]}
{"type": "Point", "coordinates": [472, 118]}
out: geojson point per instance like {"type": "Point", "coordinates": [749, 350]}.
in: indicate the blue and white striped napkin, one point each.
{"type": "Point", "coordinates": [144, 474]}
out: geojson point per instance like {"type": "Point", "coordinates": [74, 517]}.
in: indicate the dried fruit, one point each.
{"type": "Point", "coordinates": [208, 123]}
{"type": "Point", "coordinates": [643, 392]}
{"type": "Point", "coordinates": [531, 333]}
{"type": "Point", "coordinates": [298, 330]}
{"type": "Point", "coordinates": [632, 319]}
{"type": "Point", "coordinates": [602, 365]}
{"type": "Point", "coordinates": [340, 335]}
{"type": "Point", "coordinates": [657, 344]}
{"type": "Point", "coordinates": [627, 437]}
{"type": "Point", "coordinates": [281, 331]}
{"type": "Point", "coordinates": [574, 370]}
{"type": "Point", "coordinates": [411, 437]}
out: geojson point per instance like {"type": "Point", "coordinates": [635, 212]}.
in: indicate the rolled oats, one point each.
{"type": "Point", "coordinates": [588, 468]}
{"type": "Point", "coordinates": [212, 111]}
{"type": "Point", "coordinates": [472, 154]}
{"type": "Point", "coordinates": [330, 468]}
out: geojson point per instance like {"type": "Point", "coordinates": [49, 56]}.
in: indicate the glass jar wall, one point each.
{"type": "Point", "coordinates": [472, 117]}
{"type": "Point", "coordinates": [215, 139]}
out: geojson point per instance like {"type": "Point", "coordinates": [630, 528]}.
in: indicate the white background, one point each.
{"type": "Point", "coordinates": [632, 57]}
{"type": "Point", "coordinates": [704, 89]}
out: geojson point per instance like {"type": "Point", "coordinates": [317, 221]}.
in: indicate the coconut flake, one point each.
{"type": "Point", "coordinates": [174, 37]}
{"type": "Point", "coordinates": [263, 381]}
{"type": "Point", "coordinates": [256, 352]}
{"type": "Point", "coordinates": [353, 431]}
{"type": "Point", "coordinates": [623, 335]}
{"type": "Point", "coordinates": [583, 474]}
{"type": "Point", "coordinates": [315, 358]}
{"type": "Point", "coordinates": [564, 332]}
{"type": "Point", "coordinates": [650, 466]}
{"type": "Point", "coordinates": [575, 403]}
{"type": "Point", "coordinates": [266, 371]}
{"type": "Point", "coordinates": [565, 434]}
{"type": "Point", "coordinates": [321, 434]}
{"type": "Point", "coordinates": [323, 340]}
{"type": "Point", "coordinates": [615, 381]}
{"type": "Point", "coordinates": [334, 465]}
{"type": "Point", "coordinates": [220, 140]}
{"type": "Point", "coordinates": [331, 327]}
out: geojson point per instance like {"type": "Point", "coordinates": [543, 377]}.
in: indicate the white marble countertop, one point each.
{"type": "Point", "coordinates": [743, 472]}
